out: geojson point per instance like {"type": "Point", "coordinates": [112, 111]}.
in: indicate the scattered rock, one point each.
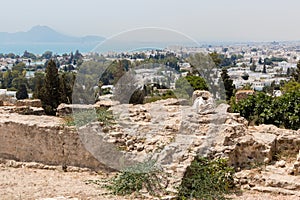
{"type": "Point", "coordinates": [280, 163]}
{"type": "Point", "coordinates": [29, 103]}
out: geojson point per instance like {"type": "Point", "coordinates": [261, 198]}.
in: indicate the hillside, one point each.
{"type": "Point", "coordinates": [44, 34]}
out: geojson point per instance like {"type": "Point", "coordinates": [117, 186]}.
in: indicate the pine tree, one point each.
{"type": "Point", "coordinates": [50, 94]}
{"type": "Point", "coordinates": [22, 92]}
{"type": "Point", "coordinates": [228, 84]}
{"type": "Point", "coordinates": [66, 82]}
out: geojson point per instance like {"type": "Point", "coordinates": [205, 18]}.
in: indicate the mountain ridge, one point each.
{"type": "Point", "coordinates": [44, 34]}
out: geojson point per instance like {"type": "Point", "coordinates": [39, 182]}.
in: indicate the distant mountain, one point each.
{"type": "Point", "coordinates": [45, 35]}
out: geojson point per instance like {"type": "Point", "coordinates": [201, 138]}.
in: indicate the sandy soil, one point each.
{"type": "Point", "coordinates": [27, 184]}
{"type": "Point", "coordinates": [252, 195]}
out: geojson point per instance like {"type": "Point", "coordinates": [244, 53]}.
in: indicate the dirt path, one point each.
{"type": "Point", "coordinates": [26, 184]}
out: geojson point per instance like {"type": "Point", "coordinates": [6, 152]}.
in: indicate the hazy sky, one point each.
{"type": "Point", "coordinates": [204, 20]}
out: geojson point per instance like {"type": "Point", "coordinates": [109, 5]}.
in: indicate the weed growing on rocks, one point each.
{"type": "Point", "coordinates": [206, 179]}
{"type": "Point", "coordinates": [142, 176]}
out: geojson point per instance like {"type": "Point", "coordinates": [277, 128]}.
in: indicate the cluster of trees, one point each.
{"type": "Point", "coordinates": [270, 61]}
{"type": "Point", "coordinates": [221, 60]}
{"type": "Point", "coordinates": [54, 88]}
{"type": "Point", "coordinates": [282, 111]}
{"type": "Point", "coordinates": [185, 86]}
{"type": "Point", "coordinates": [170, 60]}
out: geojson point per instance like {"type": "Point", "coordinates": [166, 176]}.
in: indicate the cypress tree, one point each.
{"type": "Point", "coordinates": [228, 84]}
{"type": "Point", "coordinates": [50, 95]}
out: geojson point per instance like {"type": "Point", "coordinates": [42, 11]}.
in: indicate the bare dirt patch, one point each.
{"type": "Point", "coordinates": [25, 183]}
{"type": "Point", "coordinates": [31, 184]}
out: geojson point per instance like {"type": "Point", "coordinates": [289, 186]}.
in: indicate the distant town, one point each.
{"type": "Point", "coordinates": [254, 66]}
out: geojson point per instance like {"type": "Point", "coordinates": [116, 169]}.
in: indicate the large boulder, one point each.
{"type": "Point", "coordinates": [203, 102]}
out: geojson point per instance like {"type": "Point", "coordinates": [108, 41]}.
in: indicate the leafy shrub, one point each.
{"type": "Point", "coordinates": [283, 111]}
{"type": "Point", "coordinates": [286, 111]}
{"type": "Point", "coordinates": [206, 179]}
{"type": "Point", "coordinates": [135, 178]}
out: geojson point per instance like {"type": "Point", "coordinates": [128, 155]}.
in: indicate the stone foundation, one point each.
{"type": "Point", "coordinates": [43, 139]}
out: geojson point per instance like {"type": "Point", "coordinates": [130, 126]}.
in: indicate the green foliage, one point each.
{"type": "Point", "coordinates": [22, 92]}
{"type": "Point", "coordinates": [245, 76]}
{"type": "Point", "coordinates": [190, 83]}
{"type": "Point", "coordinates": [290, 86]}
{"type": "Point", "coordinates": [28, 55]}
{"type": "Point", "coordinates": [264, 69]}
{"type": "Point", "coordinates": [36, 84]}
{"type": "Point", "coordinates": [168, 94]}
{"type": "Point", "coordinates": [221, 60]}
{"type": "Point", "coordinates": [66, 83]}
{"type": "Point", "coordinates": [276, 59]}
{"type": "Point", "coordinates": [47, 55]}
{"type": "Point", "coordinates": [216, 58]}
{"type": "Point", "coordinates": [105, 116]}
{"type": "Point", "coordinates": [283, 111]}
{"type": "Point", "coordinates": [268, 61]}
{"type": "Point", "coordinates": [14, 78]}
{"type": "Point", "coordinates": [50, 90]}
{"type": "Point", "coordinates": [296, 73]}
{"type": "Point", "coordinates": [83, 117]}
{"type": "Point", "coordinates": [53, 88]}
{"type": "Point", "coordinates": [114, 72]}
{"type": "Point", "coordinates": [169, 60]}
{"type": "Point", "coordinates": [206, 179]}
{"type": "Point", "coordinates": [286, 111]}
{"type": "Point", "coordinates": [135, 178]}
{"type": "Point", "coordinates": [19, 67]}
{"type": "Point", "coordinates": [228, 84]}
{"type": "Point", "coordinates": [18, 81]}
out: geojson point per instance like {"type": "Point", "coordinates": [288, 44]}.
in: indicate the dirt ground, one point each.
{"type": "Point", "coordinates": [37, 184]}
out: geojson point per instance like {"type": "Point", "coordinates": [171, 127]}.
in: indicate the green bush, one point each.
{"type": "Point", "coordinates": [135, 178]}
{"type": "Point", "coordinates": [189, 84]}
{"type": "Point", "coordinates": [283, 111]}
{"type": "Point", "coordinates": [206, 179]}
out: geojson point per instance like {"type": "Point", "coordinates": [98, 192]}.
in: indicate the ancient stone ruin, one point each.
{"type": "Point", "coordinates": [265, 157]}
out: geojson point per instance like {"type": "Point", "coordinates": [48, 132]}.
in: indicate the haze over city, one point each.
{"type": "Point", "coordinates": [215, 20]}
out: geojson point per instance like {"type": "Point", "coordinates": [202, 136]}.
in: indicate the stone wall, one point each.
{"type": "Point", "coordinates": [43, 139]}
